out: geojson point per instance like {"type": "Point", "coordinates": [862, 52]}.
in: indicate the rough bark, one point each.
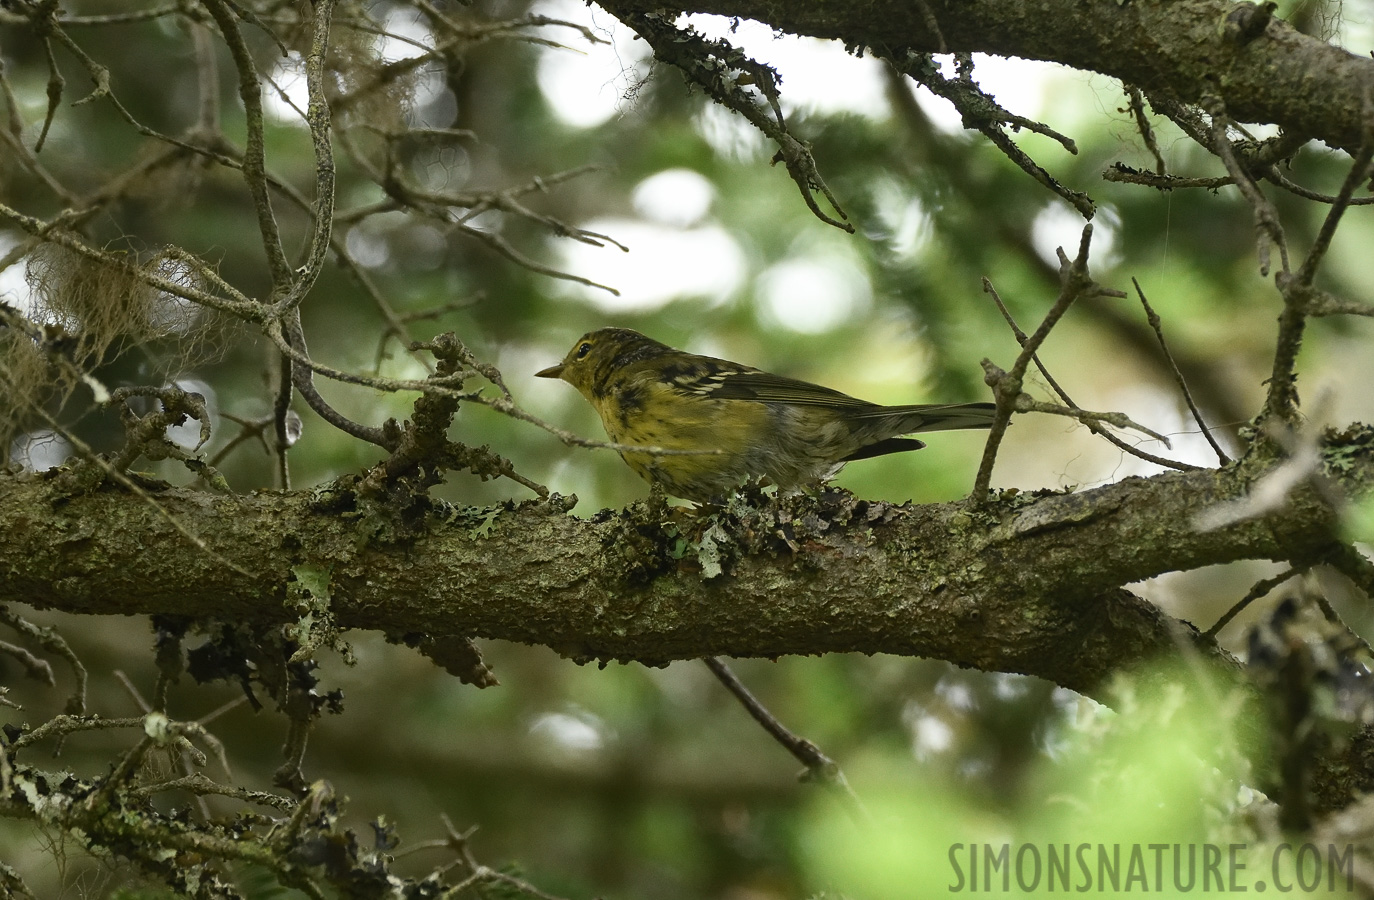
{"type": "Point", "coordinates": [1030, 583]}
{"type": "Point", "coordinates": [1262, 69]}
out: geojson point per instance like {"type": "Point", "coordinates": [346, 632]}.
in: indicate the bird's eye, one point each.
{"type": "Point", "coordinates": [583, 350]}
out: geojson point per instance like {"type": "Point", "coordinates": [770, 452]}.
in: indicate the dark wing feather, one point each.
{"type": "Point", "coordinates": [767, 388]}
{"type": "Point", "coordinates": [721, 380]}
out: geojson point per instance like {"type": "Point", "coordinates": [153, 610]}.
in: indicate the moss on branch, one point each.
{"type": "Point", "coordinates": [1030, 583]}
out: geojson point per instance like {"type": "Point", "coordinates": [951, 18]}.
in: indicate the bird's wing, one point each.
{"type": "Point", "coordinates": [750, 384]}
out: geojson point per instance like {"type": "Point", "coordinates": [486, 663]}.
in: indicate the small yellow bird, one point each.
{"type": "Point", "coordinates": [792, 432]}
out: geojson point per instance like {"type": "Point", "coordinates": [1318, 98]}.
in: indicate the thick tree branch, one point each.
{"type": "Point", "coordinates": [1031, 584]}
{"type": "Point", "coordinates": [1276, 75]}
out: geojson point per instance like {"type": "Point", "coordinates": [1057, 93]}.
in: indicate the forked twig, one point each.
{"type": "Point", "coordinates": [48, 638]}
{"type": "Point", "coordinates": [1006, 386]}
{"type": "Point", "coordinates": [981, 112]}
{"type": "Point", "coordinates": [1022, 337]}
{"type": "Point", "coordinates": [710, 64]}
{"type": "Point", "coordinates": [1299, 297]}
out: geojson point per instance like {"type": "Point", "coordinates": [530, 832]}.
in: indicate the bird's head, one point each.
{"type": "Point", "coordinates": [598, 354]}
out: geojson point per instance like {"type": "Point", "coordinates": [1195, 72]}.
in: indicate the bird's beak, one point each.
{"type": "Point", "coordinates": [550, 372]}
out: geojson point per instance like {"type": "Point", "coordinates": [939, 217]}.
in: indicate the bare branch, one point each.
{"type": "Point", "coordinates": [1025, 403]}
{"type": "Point", "coordinates": [1359, 173]}
{"type": "Point", "coordinates": [1142, 124]}
{"type": "Point", "coordinates": [1153, 318]}
{"type": "Point", "coordinates": [1267, 228]}
{"type": "Point", "coordinates": [128, 18]}
{"type": "Point", "coordinates": [1261, 588]}
{"type": "Point", "coordinates": [1021, 338]}
{"type": "Point", "coordinates": [254, 170]}
{"type": "Point", "coordinates": [724, 72]}
{"type": "Point", "coordinates": [201, 786]}
{"type": "Point", "coordinates": [33, 666]}
{"type": "Point", "coordinates": [54, 232]}
{"type": "Point", "coordinates": [819, 767]}
{"type": "Point", "coordinates": [1124, 174]}
{"type": "Point", "coordinates": [317, 118]}
{"type": "Point", "coordinates": [1006, 386]}
{"type": "Point", "coordinates": [49, 639]}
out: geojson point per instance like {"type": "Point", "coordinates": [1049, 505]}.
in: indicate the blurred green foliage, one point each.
{"type": "Point", "coordinates": [1160, 771]}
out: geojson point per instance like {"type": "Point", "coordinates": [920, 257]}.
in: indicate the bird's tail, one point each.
{"type": "Point", "coordinates": [879, 428]}
{"type": "Point", "coordinates": [940, 416]}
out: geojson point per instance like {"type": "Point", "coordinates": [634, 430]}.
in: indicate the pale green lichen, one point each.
{"type": "Point", "coordinates": [709, 550]}
{"type": "Point", "coordinates": [308, 594]}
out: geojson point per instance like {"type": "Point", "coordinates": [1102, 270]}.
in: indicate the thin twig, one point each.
{"type": "Point", "coordinates": [1318, 303]}
{"type": "Point", "coordinates": [317, 119]}
{"type": "Point", "coordinates": [1142, 123]}
{"type": "Point", "coordinates": [129, 18]}
{"type": "Point", "coordinates": [981, 112]}
{"type": "Point", "coordinates": [248, 430]}
{"type": "Point", "coordinates": [819, 767]}
{"type": "Point", "coordinates": [1153, 318]}
{"type": "Point", "coordinates": [1267, 227]}
{"type": "Point", "coordinates": [1282, 399]}
{"type": "Point", "coordinates": [254, 151]}
{"type": "Point", "coordinates": [302, 369]}
{"type": "Point", "coordinates": [48, 638]}
{"type": "Point", "coordinates": [199, 785]}
{"type": "Point", "coordinates": [1260, 589]}
{"type": "Point", "coordinates": [1006, 386]}
{"type": "Point", "coordinates": [707, 63]}
{"type": "Point", "coordinates": [35, 668]}
{"type": "Point", "coordinates": [1277, 178]}
{"type": "Point", "coordinates": [1124, 174]}
{"type": "Point", "coordinates": [1022, 337]}
{"type": "Point", "coordinates": [1299, 296]}
{"type": "Point", "coordinates": [62, 725]}
{"type": "Point", "coordinates": [1025, 403]}
{"type": "Point", "coordinates": [54, 232]}
{"type": "Point", "coordinates": [1358, 175]}
{"type": "Point", "coordinates": [281, 421]}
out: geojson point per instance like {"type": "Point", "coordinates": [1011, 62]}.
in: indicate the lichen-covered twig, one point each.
{"type": "Point", "coordinates": [743, 85]}
{"type": "Point", "coordinates": [982, 113]}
